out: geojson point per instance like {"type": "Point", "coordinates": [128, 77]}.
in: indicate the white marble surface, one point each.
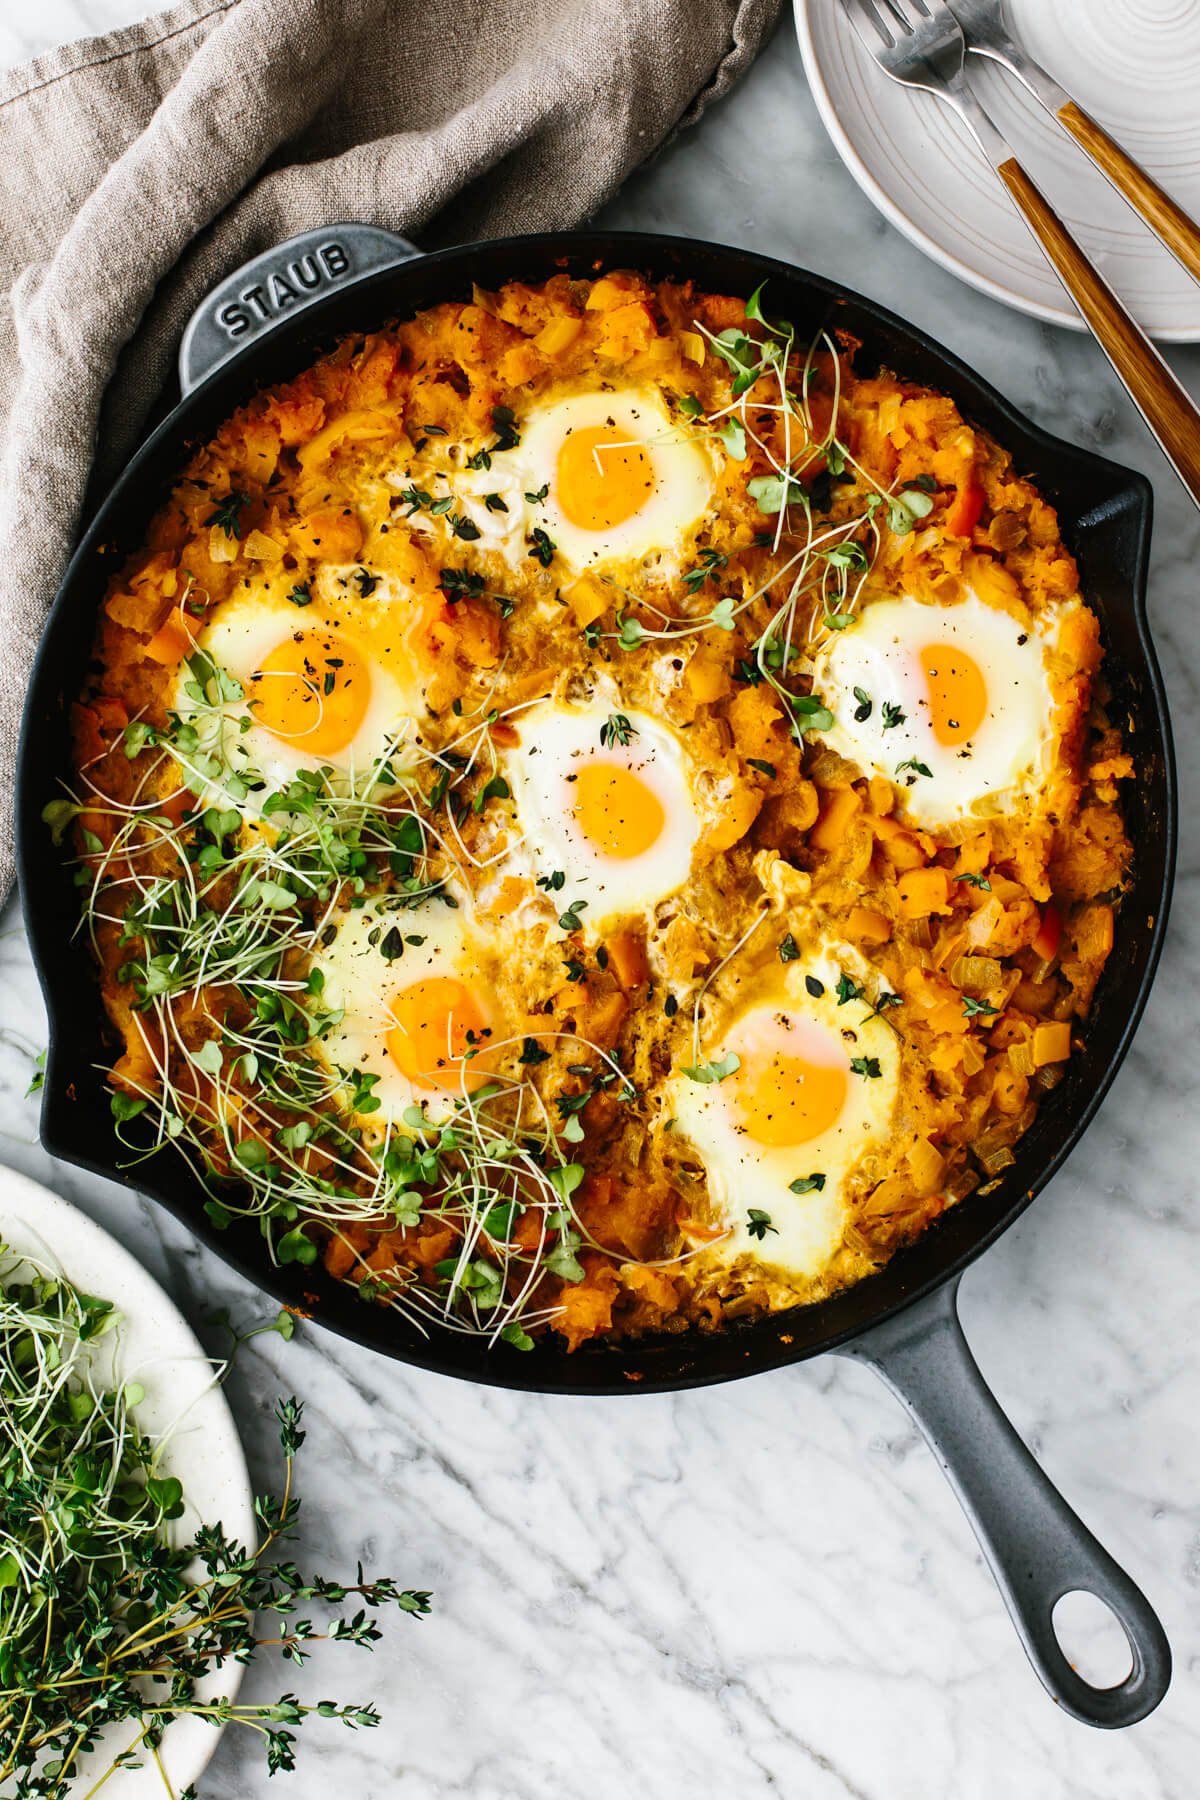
{"type": "Point", "coordinates": [764, 1589]}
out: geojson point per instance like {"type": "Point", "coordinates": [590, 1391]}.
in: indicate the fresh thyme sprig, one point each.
{"type": "Point", "coordinates": [106, 1621]}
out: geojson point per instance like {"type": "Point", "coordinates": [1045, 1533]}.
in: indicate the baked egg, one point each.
{"type": "Point", "coordinates": [412, 1005]}
{"type": "Point", "coordinates": [951, 703]}
{"type": "Point", "coordinates": [790, 1109]}
{"type": "Point", "coordinates": [605, 805]}
{"type": "Point", "coordinates": [594, 479]}
{"type": "Point", "coordinates": [327, 672]}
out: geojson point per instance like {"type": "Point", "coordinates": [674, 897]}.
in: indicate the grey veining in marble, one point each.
{"type": "Point", "coordinates": [764, 1590]}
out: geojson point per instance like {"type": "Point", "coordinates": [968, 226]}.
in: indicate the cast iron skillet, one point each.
{"type": "Point", "coordinates": [268, 321]}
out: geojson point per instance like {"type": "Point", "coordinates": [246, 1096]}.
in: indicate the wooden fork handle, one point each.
{"type": "Point", "coordinates": [1165, 217]}
{"type": "Point", "coordinates": [1165, 405]}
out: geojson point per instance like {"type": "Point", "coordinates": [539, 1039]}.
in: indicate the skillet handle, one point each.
{"type": "Point", "coordinates": [1036, 1547]}
{"type": "Point", "coordinates": [279, 282]}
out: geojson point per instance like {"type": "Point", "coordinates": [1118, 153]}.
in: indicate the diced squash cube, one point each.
{"type": "Point", "coordinates": [1051, 1043]}
{"type": "Point", "coordinates": [332, 533]}
{"type": "Point", "coordinates": [868, 927]}
{"type": "Point", "coordinates": [627, 959]}
{"type": "Point", "coordinates": [837, 810]}
{"type": "Point", "coordinates": [922, 892]}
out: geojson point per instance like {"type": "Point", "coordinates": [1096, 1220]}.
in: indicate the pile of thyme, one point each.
{"type": "Point", "coordinates": [109, 1630]}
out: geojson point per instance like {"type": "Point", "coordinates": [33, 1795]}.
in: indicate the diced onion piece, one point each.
{"type": "Point", "coordinates": [976, 973]}
{"type": "Point", "coordinates": [259, 547]}
{"type": "Point", "coordinates": [558, 335]}
{"type": "Point", "coordinates": [927, 1165]}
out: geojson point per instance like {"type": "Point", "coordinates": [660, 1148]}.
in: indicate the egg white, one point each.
{"type": "Point", "coordinates": [557, 742]}
{"type": "Point", "coordinates": [743, 1173]}
{"type": "Point", "coordinates": [1007, 759]}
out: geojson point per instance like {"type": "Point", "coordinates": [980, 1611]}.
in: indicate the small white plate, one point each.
{"type": "Point", "coordinates": [155, 1346]}
{"type": "Point", "coordinates": [1133, 64]}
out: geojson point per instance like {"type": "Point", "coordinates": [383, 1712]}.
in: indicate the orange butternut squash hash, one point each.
{"type": "Point", "coordinates": [594, 814]}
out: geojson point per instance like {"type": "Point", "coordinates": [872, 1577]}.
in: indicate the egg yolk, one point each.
{"type": "Point", "coordinates": [615, 810]}
{"type": "Point", "coordinates": [312, 691]}
{"type": "Point", "coordinates": [438, 1021]}
{"type": "Point", "coordinates": [788, 1099]}
{"type": "Point", "coordinates": [958, 697]}
{"type": "Point", "coordinates": [602, 479]}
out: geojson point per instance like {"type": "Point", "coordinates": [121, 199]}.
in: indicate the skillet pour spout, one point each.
{"type": "Point", "coordinates": [271, 319]}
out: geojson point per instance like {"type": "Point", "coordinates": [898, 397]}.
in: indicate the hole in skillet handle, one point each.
{"type": "Point", "coordinates": [1092, 1639]}
{"type": "Point", "coordinates": [1037, 1548]}
{"type": "Point", "coordinates": [281, 281]}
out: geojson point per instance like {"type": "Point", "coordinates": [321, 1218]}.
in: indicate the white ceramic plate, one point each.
{"type": "Point", "coordinates": [1133, 64]}
{"type": "Point", "coordinates": [156, 1347]}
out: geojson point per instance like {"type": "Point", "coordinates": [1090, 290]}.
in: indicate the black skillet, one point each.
{"type": "Point", "coordinates": [269, 320]}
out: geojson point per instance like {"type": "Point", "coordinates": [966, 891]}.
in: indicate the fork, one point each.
{"type": "Point", "coordinates": [983, 27]}
{"type": "Point", "coordinates": [920, 44]}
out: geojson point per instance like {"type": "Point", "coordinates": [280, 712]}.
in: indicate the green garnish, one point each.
{"type": "Point", "coordinates": [617, 729]}
{"type": "Point", "coordinates": [496, 788]}
{"type": "Point", "coordinates": [107, 1618]}
{"type": "Point", "coordinates": [540, 547]}
{"type": "Point", "coordinates": [228, 513]}
{"type": "Point", "coordinates": [868, 1066]}
{"type": "Point", "coordinates": [708, 567]}
{"type": "Point", "coordinates": [759, 1223]}
{"type": "Point", "coordinates": [460, 584]}
{"type": "Point", "coordinates": [976, 1009]}
{"type": "Point", "coordinates": [710, 1072]}
{"type": "Point", "coordinates": [806, 1184]}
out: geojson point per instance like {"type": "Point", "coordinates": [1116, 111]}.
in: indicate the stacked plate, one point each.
{"type": "Point", "coordinates": [1133, 64]}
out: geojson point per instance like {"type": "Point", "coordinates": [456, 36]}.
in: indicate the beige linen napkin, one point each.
{"type": "Point", "coordinates": [137, 168]}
